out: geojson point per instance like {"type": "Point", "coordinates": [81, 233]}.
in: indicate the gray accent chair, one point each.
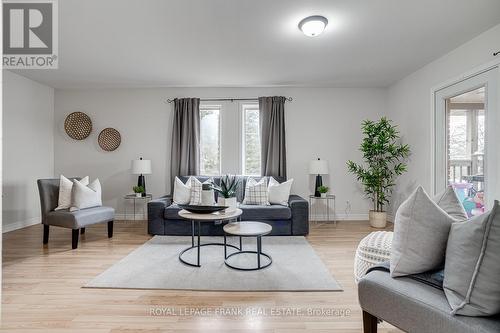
{"type": "Point", "coordinates": [163, 217]}
{"type": "Point", "coordinates": [77, 221]}
{"type": "Point", "coordinates": [413, 306]}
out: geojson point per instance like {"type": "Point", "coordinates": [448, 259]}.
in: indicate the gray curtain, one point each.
{"type": "Point", "coordinates": [272, 134]}
{"type": "Point", "coordinates": [185, 153]}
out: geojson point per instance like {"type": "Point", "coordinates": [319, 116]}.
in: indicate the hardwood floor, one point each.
{"type": "Point", "coordinates": [42, 289]}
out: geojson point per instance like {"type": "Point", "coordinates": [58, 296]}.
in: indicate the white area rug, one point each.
{"type": "Point", "coordinates": [155, 265]}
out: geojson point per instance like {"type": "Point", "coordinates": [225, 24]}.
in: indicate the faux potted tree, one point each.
{"type": "Point", "coordinates": [323, 190]}
{"type": "Point", "coordinates": [226, 191]}
{"type": "Point", "coordinates": [138, 190]}
{"type": "Point", "coordinates": [384, 156]}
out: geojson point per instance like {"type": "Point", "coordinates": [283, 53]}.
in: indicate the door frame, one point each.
{"type": "Point", "coordinates": [489, 76]}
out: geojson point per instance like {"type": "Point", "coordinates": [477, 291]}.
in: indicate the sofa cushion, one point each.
{"type": "Point", "coordinates": [86, 196]}
{"type": "Point", "coordinates": [172, 212]}
{"type": "Point", "coordinates": [250, 212]}
{"type": "Point", "coordinates": [415, 307]}
{"type": "Point", "coordinates": [272, 212]}
{"type": "Point", "coordinates": [256, 193]}
{"type": "Point", "coordinates": [421, 231]}
{"type": "Point", "coordinates": [449, 202]}
{"type": "Point", "coordinates": [80, 218]}
{"type": "Point", "coordinates": [472, 268]}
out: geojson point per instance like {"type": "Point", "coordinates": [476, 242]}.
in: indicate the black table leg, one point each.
{"type": "Point", "coordinates": [225, 248]}
{"type": "Point", "coordinates": [199, 233]}
{"type": "Point", "coordinates": [241, 246]}
{"type": "Point", "coordinates": [259, 250]}
{"type": "Point", "coordinates": [192, 233]}
{"type": "Point", "coordinates": [198, 245]}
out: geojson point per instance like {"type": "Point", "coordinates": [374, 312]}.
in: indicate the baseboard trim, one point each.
{"type": "Point", "coordinates": [130, 217]}
{"type": "Point", "coordinates": [20, 224]}
{"type": "Point", "coordinates": [340, 217]}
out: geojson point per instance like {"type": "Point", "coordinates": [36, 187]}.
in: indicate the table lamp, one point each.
{"type": "Point", "coordinates": [141, 167]}
{"type": "Point", "coordinates": [318, 167]}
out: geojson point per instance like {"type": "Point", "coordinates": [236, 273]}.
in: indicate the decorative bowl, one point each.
{"type": "Point", "coordinates": [202, 209]}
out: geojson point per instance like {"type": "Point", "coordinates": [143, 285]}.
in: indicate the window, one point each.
{"type": "Point", "coordinates": [230, 130]}
{"type": "Point", "coordinates": [251, 139]}
{"type": "Point", "coordinates": [210, 164]}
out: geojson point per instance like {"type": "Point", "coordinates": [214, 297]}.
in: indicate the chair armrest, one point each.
{"type": "Point", "coordinates": [156, 209]}
{"type": "Point", "coordinates": [300, 214]}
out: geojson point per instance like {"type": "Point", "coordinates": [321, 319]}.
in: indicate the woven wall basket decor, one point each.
{"type": "Point", "coordinates": [109, 139]}
{"type": "Point", "coordinates": [78, 125]}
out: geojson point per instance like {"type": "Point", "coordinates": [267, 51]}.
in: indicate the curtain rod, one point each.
{"type": "Point", "coordinates": [288, 99]}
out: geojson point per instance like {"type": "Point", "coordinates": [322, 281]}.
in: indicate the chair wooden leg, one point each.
{"type": "Point", "coordinates": [45, 234]}
{"type": "Point", "coordinates": [74, 238]}
{"type": "Point", "coordinates": [369, 323]}
{"type": "Point", "coordinates": [82, 231]}
{"type": "Point", "coordinates": [110, 229]}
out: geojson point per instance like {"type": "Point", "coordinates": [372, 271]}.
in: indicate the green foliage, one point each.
{"type": "Point", "coordinates": [323, 189]}
{"type": "Point", "coordinates": [138, 189]}
{"type": "Point", "coordinates": [384, 156]}
{"type": "Point", "coordinates": [228, 186]}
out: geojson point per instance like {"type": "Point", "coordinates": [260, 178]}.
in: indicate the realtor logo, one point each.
{"type": "Point", "coordinates": [30, 34]}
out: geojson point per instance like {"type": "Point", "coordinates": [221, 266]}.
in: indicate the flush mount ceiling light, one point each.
{"type": "Point", "coordinates": [313, 26]}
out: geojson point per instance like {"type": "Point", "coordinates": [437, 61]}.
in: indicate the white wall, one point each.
{"type": "Point", "coordinates": [322, 122]}
{"type": "Point", "coordinates": [409, 102]}
{"type": "Point", "coordinates": [28, 148]}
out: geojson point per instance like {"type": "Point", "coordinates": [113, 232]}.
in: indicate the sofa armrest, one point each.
{"type": "Point", "coordinates": [156, 209]}
{"type": "Point", "coordinates": [300, 215]}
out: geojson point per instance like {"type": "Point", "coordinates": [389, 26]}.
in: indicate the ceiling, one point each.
{"type": "Point", "coordinates": [237, 43]}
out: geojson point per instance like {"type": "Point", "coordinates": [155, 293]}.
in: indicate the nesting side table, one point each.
{"type": "Point", "coordinates": [330, 202]}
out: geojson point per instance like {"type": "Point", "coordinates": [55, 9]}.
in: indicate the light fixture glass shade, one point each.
{"type": "Point", "coordinates": [141, 167]}
{"type": "Point", "coordinates": [318, 167]}
{"type": "Point", "coordinates": [313, 25]}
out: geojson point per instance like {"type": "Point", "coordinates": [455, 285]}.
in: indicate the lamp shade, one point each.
{"type": "Point", "coordinates": [141, 167]}
{"type": "Point", "coordinates": [318, 167]}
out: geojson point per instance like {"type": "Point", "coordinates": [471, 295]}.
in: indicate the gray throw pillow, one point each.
{"type": "Point", "coordinates": [450, 203]}
{"type": "Point", "coordinates": [421, 231]}
{"type": "Point", "coordinates": [472, 268]}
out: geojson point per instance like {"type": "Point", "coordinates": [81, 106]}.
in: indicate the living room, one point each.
{"type": "Point", "coordinates": [193, 146]}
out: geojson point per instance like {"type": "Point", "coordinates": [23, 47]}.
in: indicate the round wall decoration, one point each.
{"type": "Point", "coordinates": [78, 125]}
{"type": "Point", "coordinates": [109, 139]}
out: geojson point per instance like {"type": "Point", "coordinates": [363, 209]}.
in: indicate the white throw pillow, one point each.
{"type": "Point", "coordinates": [182, 192]}
{"type": "Point", "coordinates": [65, 189]}
{"type": "Point", "coordinates": [256, 192]}
{"type": "Point", "coordinates": [421, 231]}
{"type": "Point", "coordinates": [86, 196]}
{"type": "Point", "coordinates": [197, 195]}
{"type": "Point", "coordinates": [279, 193]}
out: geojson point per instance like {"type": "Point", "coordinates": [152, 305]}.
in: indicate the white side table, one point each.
{"type": "Point", "coordinates": [144, 200]}
{"type": "Point", "coordinates": [330, 201]}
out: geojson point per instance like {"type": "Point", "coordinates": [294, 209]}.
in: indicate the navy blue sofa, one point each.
{"type": "Point", "coordinates": [163, 218]}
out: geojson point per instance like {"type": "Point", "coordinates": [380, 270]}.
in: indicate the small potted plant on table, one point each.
{"type": "Point", "coordinates": [138, 190]}
{"type": "Point", "coordinates": [226, 191]}
{"type": "Point", "coordinates": [323, 190]}
{"type": "Point", "coordinates": [385, 157]}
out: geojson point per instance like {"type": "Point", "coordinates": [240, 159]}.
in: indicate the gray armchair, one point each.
{"type": "Point", "coordinates": [77, 220]}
